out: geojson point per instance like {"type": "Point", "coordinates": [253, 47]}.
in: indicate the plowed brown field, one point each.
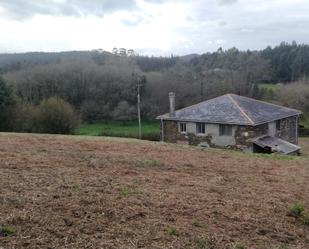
{"type": "Point", "coordinates": [82, 192]}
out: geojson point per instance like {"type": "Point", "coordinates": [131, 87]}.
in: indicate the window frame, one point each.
{"type": "Point", "coordinates": [225, 127]}
{"type": "Point", "coordinates": [182, 125]}
{"type": "Point", "coordinates": [200, 127]}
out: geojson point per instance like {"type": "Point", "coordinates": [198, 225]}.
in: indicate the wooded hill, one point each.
{"type": "Point", "coordinates": [102, 85]}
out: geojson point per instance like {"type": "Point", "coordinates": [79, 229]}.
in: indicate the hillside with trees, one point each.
{"type": "Point", "coordinates": [99, 85]}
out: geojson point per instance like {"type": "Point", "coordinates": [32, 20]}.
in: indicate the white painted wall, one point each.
{"type": "Point", "coordinates": [213, 130]}
{"type": "Point", "coordinates": [272, 130]}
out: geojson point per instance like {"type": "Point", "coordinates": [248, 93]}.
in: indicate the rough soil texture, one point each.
{"type": "Point", "coordinates": [82, 192]}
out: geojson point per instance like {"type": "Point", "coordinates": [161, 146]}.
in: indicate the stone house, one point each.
{"type": "Point", "coordinates": [235, 122]}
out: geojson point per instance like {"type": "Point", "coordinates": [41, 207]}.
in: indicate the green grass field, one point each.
{"type": "Point", "coordinates": [150, 129]}
{"type": "Point", "coordinates": [269, 86]}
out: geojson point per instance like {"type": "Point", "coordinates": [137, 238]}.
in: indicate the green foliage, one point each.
{"type": "Point", "coordinates": [297, 210]}
{"type": "Point", "coordinates": [305, 219]}
{"type": "Point", "coordinates": [92, 111]}
{"type": "Point", "coordinates": [56, 116]}
{"type": "Point", "coordinates": [201, 243]}
{"type": "Point", "coordinates": [7, 102]}
{"type": "Point", "coordinates": [196, 223]}
{"type": "Point", "coordinates": [22, 117]}
{"type": "Point", "coordinates": [172, 231]}
{"type": "Point", "coordinates": [206, 243]}
{"type": "Point", "coordinates": [124, 112]}
{"type": "Point", "coordinates": [6, 231]}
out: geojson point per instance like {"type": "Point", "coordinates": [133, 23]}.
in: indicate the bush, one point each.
{"type": "Point", "coordinates": [172, 231]}
{"type": "Point", "coordinates": [22, 117]}
{"type": "Point", "coordinates": [56, 116]}
{"type": "Point", "coordinates": [297, 210]}
{"type": "Point", "coordinates": [6, 231]}
{"type": "Point", "coordinates": [305, 219]}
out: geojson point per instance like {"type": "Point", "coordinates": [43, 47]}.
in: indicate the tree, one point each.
{"type": "Point", "coordinates": [56, 116]}
{"type": "Point", "coordinates": [7, 102]}
{"type": "Point", "coordinates": [124, 112]}
{"type": "Point", "coordinates": [92, 111]}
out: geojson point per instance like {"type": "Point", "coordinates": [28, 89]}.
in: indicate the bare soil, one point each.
{"type": "Point", "coordinates": [82, 192]}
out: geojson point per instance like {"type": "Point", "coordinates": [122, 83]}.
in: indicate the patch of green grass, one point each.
{"type": "Point", "coordinates": [150, 129]}
{"type": "Point", "coordinates": [305, 219]}
{"type": "Point", "coordinates": [297, 210]}
{"type": "Point", "coordinates": [272, 87]}
{"type": "Point", "coordinates": [172, 231]}
{"type": "Point", "coordinates": [125, 192]}
{"type": "Point", "coordinates": [6, 231]}
{"type": "Point", "coordinates": [201, 243]}
{"type": "Point", "coordinates": [196, 223]}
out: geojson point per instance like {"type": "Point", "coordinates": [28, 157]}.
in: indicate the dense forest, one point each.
{"type": "Point", "coordinates": [99, 85]}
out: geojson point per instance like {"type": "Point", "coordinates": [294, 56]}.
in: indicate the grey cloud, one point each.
{"type": "Point", "coordinates": [223, 2]}
{"type": "Point", "coordinates": [20, 9]}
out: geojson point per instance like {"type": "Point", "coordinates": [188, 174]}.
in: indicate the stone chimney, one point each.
{"type": "Point", "coordinates": [172, 104]}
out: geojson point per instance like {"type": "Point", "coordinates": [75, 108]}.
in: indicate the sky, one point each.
{"type": "Point", "coordinates": [151, 27]}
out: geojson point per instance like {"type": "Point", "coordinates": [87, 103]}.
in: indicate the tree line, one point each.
{"type": "Point", "coordinates": [98, 85]}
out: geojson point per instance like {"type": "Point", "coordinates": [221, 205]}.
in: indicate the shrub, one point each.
{"type": "Point", "coordinates": [305, 219]}
{"type": "Point", "coordinates": [6, 231]}
{"type": "Point", "coordinates": [56, 116]}
{"type": "Point", "coordinates": [172, 231]}
{"type": "Point", "coordinates": [297, 210]}
{"type": "Point", "coordinates": [196, 223]}
{"type": "Point", "coordinates": [201, 243]}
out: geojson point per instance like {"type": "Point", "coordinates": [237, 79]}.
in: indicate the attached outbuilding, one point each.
{"type": "Point", "coordinates": [235, 122]}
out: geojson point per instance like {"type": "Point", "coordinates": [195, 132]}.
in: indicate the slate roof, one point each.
{"type": "Point", "coordinates": [277, 145]}
{"type": "Point", "coordinates": [232, 109]}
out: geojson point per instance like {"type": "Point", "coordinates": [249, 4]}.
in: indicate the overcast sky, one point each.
{"type": "Point", "coordinates": [153, 27]}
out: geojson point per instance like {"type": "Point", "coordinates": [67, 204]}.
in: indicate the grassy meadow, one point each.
{"type": "Point", "coordinates": [150, 129]}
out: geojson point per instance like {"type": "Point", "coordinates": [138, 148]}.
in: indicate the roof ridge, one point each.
{"type": "Point", "coordinates": [265, 102]}
{"type": "Point", "coordinates": [239, 108]}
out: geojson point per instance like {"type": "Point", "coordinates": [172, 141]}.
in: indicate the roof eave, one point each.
{"type": "Point", "coordinates": [163, 117]}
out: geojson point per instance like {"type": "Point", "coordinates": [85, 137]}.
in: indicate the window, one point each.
{"type": "Point", "coordinates": [183, 127]}
{"type": "Point", "coordinates": [200, 128]}
{"type": "Point", "coordinates": [278, 125]}
{"type": "Point", "coordinates": [225, 130]}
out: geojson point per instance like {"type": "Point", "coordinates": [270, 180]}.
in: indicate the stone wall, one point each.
{"type": "Point", "coordinates": [172, 135]}
{"type": "Point", "coordinates": [245, 134]}
{"type": "Point", "coordinates": [288, 129]}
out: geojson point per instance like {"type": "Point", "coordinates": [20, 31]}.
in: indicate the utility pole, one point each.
{"type": "Point", "coordinates": [140, 81]}
{"type": "Point", "coordinates": [139, 110]}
